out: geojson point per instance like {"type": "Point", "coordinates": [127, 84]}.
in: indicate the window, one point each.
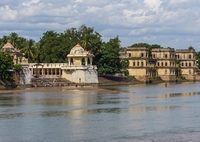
{"type": "Point", "coordinates": [138, 63]}
{"type": "Point", "coordinates": [129, 55]}
{"type": "Point", "coordinates": [186, 64]}
{"type": "Point", "coordinates": [158, 64]}
{"type": "Point", "coordinates": [165, 55]}
{"type": "Point", "coordinates": [190, 64]}
{"type": "Point", "coordinates": [133, 63]}
{"type": "Point", "coordinates": [190, 57]}
{"type": "Point", "coordinates": [165, 63]}
{"type": "Point", "coordinates": [142, 55]}
{"type": "Point", "coordinates": [142, 64]}
{"type": "Point", "coordinates": [162, 64]}
{"type": "Point", "coordinates": [182, 64]}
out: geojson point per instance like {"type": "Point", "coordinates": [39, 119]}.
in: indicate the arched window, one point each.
{"type": "Point", "coordinates": [83, 61]}
{"type": "Point", "coordinates": [71, 61]}
{"type": "Point", "coordinates": [88, 60]}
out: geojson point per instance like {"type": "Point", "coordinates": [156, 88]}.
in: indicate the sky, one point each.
{"type": "Point", "coordinates": [169, 23]}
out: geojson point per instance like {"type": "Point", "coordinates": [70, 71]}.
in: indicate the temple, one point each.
{"type": "Point", "coordinates": [79, 68]}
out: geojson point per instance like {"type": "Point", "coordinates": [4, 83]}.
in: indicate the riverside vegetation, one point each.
{"type": "Point", "coordinates": [53, 47]}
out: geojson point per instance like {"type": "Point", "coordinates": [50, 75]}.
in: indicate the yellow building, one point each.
{"type": "Point", "coordinates": [165, 63]}
{"type": "Point", "coordinates": [18, 57]}
{"type": "Point", "coordinates": [187, 65]}
{"type": "Point", "coordinates": [138, 62]}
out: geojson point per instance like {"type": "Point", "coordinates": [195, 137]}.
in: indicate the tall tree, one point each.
{"type": "Point", "coordinates": [14, 39]}
{"type": "Point", "coordinates": [109, 61]}
{"type": "Point", "coordinates": [3, 41]}
{"type": "Point", "coordinates": [6, 63]}
{"type": "Point", "coordinates": [28, 49]}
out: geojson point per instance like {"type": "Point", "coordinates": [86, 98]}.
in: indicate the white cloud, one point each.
{"type": "Point", "coordinates": [30, 2]}
{"type": "Point", "coordinates": [152, 21]}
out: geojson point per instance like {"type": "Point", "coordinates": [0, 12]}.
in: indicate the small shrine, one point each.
{"type": "Point", "coordinates": [80, 68]}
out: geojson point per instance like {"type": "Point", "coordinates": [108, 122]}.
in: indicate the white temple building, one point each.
{"type": "Point", "coordinates": [79, 68]}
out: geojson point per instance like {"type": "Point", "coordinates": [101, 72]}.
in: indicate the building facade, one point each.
{"type": "Point", "coordinates": [167, 63]}
{"type": "Point", "coordinates": [186, 63]}
{"type": "Point", "coordinates": [138, 62]}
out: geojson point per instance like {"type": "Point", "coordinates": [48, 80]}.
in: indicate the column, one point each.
{"type": "Point", "coordinates": [69, 59]}
{"type": "Point", "coordinates": [47, 72]}
{"type": "Point", "coordinates": [56, 72]}
{"type": "Point", "coordinates": [86, 63]}
{"type": "Point", "coordinates": [32, 71]}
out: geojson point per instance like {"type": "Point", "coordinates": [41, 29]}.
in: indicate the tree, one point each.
{"type": "Point", "coordinates": [28, 49]}
{"type": "Point", "coordinates": [49, 47]}
{"type": "Point", "coordinates": [14, 39]}
{"type": "Point", "coordinates": [3, 41]}
{"type": "Point", "coordinates": [109, 61]}
{"type": "Point", "coordinates": [191, 48]}
{"type": "Point", "coordinates": [124, 66]}
{"type": "Point", "coordinates": [6, 64]}
{"type": "Point", "coordinates": [198, 59]}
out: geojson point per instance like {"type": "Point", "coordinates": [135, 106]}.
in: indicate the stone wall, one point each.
{"type": "Point", "coordinates": [168, 77]}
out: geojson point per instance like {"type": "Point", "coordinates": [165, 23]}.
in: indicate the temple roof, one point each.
{"type": "Point", "coordinates": [8, 47]}
{"type": "Point", "coordinates": [77, 50]}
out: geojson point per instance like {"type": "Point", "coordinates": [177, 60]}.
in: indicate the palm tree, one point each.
{"type": "Point", "coordinates": [28, 48]}
{"type": "Point", "coordinates": [14, 39]}
{"type": "Point", "coordinates": [3, 41]}
{"type": "Point", "coordinates": [37, 52]}
{"type": "Point", "coordinates": [85, 42]}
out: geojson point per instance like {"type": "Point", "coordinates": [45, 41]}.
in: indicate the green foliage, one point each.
{"type": "Point", "coordinates": [157, 78]}
{"type": "Point", "coordinates": [6, 64]}
{"type": "Point", "coordinates": [124, 65]}
{"type": "Point", "coordinates": [150, 47]}
{"type": "Point", "coordinates": [181, 77]}
{"type": "Point", "coordinates": [131, 77]}
{"type": "Point", "coordinates": [141, 45]}
{"type": "Point", "coordinates": [198, 59]}
{"type": "Point", "coordinates": [191, 48]}
{"type": "Point", "coordinates": [17, 67]}
{"type": "Point", "coordinates": [108, 60]}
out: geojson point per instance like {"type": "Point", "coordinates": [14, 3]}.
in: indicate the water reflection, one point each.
{"type": "Point", "coordinates": [186, 94]}
{"type": "Point", "coordinates": [143, 113]}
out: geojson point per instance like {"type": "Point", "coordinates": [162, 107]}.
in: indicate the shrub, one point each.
{"type": "Point", "coordinates": [157, 78]}
{"type": "Point", "coordinates": [181, 77]}
{"type": "Point", "coordinates": [131, 77]}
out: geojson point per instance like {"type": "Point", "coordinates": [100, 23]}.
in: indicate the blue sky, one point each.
{"type": "Point", "coordinates": [170, 23]}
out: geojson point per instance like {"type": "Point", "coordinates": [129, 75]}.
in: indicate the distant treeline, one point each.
{"type": "Point", "coordinates": [53, 47]}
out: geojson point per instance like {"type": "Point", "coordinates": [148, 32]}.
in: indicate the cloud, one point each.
{"type": "Point", "coordinates": [151, 21]}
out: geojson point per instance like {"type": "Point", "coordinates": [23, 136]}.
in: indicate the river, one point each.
{"type": "Point", "coordinates": [138, 113]}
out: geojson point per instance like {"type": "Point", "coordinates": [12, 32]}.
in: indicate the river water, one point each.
{"type": "Point", "coordinates": [138, 113]}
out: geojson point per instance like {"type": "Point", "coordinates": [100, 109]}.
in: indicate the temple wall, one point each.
{"type": "Point", "coordinates": [168, 77]}
{"type": "Point", "coordinates": [91, 76]}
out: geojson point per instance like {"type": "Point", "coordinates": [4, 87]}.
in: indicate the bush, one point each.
{"type": "Point", "coordinates": [157, 78]}
{"type": "Point", "coordinates": [181, 77]}
{"type": "Point", "coordinates": [131, 77]}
